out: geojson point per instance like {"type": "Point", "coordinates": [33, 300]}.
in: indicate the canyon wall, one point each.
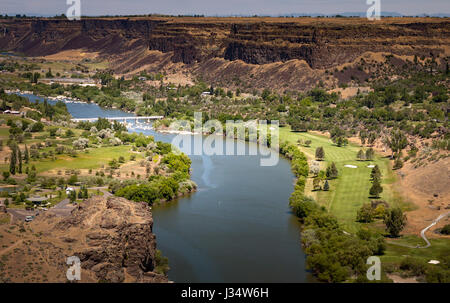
{"type": "Point", "coordinates": [199, 44]}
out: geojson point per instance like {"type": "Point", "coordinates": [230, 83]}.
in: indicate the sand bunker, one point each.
{"type": "Point", "coordinates": [371, 166]}
{"type": "Point", "coordinates": [351, 166]}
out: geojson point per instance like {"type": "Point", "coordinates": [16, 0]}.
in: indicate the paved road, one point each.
{"type": "Point", "coordinates": [63, 208]}
{"type": "Point", "coordinates": [21, 214]}
{"type": "Point", "coordinates": [63, 204]}
{"type": "Point", "coordinates": [104, 190]}
{"type": "Point", "coordinates": [422, 233]}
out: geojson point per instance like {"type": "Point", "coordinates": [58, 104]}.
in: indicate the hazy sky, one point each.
{"type": "Point", "coordinates": [220, 7]}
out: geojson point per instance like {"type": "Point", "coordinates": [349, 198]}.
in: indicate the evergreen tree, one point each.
{"type": "Point", "coordinates": [19, 156]}
{"type": "Point", "coordinates": [370, 153]}
{"type": "Point", "coordinates": [72, 196]}
{"type": "Point", "coordinates": [361, 155]}
{"type": "Point", "coordinates": [320, 153]}
{"type": "Point", "coordinates": [326, 186]}
{"type": "Point", "coordinates": [332, 171]}
{"type": "Point", "coordinates": [27, 155]}
{"type": "Point", "coordinates": [13, 161]}
{"type": "Point", "coordinates": [376, 173]}
{"type": "Point", "coordinates": [376, 188]}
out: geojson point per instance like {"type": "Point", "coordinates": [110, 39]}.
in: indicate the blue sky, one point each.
{"type": "Point", "coordinates": [220, 7]}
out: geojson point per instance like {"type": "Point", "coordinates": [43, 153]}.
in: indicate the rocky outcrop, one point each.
{"type": "Point", "coordinates": [118, 238]}
{"type": "Point", "coordinates": [111, 236]}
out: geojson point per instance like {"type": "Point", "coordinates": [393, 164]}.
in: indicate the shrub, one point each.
{"type": "Point", "coordinates": [413, 266]}
{"type": "Point", "coordinates": [80, 143]}
{"type": "Point", "coordinates": [365, 214]}
{"type": "Point", "coordinates": [446, 230]}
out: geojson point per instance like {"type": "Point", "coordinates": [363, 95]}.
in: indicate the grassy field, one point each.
{"type": "Point", "coordinates": [395, 253]}
{"type": "Point", "coordinates": [351, 189]}
{"type": "Point", "coordinates": [94, 159]}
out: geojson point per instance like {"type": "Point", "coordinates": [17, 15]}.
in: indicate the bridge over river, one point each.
{"type": "Point", "coordinates": [124, 119]}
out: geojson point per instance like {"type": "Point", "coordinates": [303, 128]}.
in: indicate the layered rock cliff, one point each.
{"type": "Point", "coordinates": [202, 43]}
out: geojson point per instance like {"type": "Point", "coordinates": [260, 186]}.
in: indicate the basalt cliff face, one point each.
{"type": "Point", "coordinates": [111, 236]}
{"type": "Point", "coordinates": [209, 45]}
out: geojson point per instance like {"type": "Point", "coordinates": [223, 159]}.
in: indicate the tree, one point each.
{"type": "Point", "coordinates": [363, 137]}
{"type": "Point", "coordinates": [27, 155]}
{"type": "Point", "coordinates": [332, 171]}
{"type": "Point", "coordinates": [340, 141]}
{"type": "Point", "coordinates": [365, 214]}
{"type": "Point", "coordinates": [303, 206]}
{"type": "Point", "coordinates": [326, 186]}
{"type": "Point", "coordinates": [371, 139]}
{"type": "Point", "coordinates": [361, 155]}
{"type": "Point", "coordinates": [315, 168]}
{"type": "Point", "coordinates": [446, 230]}
{"type": "Point", "coordinates": [395, 221]}
{"type": "Point", "coordinates": [19, 155]}
{"type": "Point", "coordinates": [320, 153]}
{"type": "Point", "coordinates": [316, 184]}
{"type": "Point", "coordinates": [6, 175]}
{"type": "Point", "coordinates": [398, 163]}
{"type": "Point", "coordinates": [73, 179]}
{"type": "Point", "coordinates": [85, 193]}
{"type": "Point", "coordinates": [370, 153]}
{"type": "Point", "coordinates": [13, 161]}
{"type": "Point", "coordinates": [35, 77]}
{"type": "Point", "coordinates": [397, 141]}
{"type": "Point", "coordinates": [376, 173]}
{"type": "Point", "coordinates": [72, 196]}
{"type": "Point", "coordinates": [376, 188]}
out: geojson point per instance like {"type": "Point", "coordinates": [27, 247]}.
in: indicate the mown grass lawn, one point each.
{"type": "Point", "coordinates": [395, 253]}
{"type": "Point", "coordinates": [94, 159]}
{"type": "Point", "coordinates": [351, 189]}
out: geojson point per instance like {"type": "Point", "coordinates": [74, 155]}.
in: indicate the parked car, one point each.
{"type": "Point", "coordinates": [29, 218]}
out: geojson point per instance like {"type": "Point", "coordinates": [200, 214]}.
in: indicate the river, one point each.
{"type": "Point", "coordinates": [237, 227]}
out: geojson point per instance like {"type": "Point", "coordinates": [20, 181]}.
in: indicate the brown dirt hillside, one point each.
{"type": "Point", "coordinates": [428, 187]}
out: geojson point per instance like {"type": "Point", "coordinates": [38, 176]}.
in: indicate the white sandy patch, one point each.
{"type": "Point", "coordinates": [371, 166]}
{"type": "Point", "coordinates": [351, 166]}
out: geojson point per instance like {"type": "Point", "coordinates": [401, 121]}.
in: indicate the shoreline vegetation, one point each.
{"type": "Point", "coordinates": [406, 114]}
{"type": "Point", "coordinates": [333, 255]}
{"type": "Point", "coordinates": [322, 234]}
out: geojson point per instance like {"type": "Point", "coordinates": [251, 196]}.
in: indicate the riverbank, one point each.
{"type": "Point", "coordinates": [229, 213]}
